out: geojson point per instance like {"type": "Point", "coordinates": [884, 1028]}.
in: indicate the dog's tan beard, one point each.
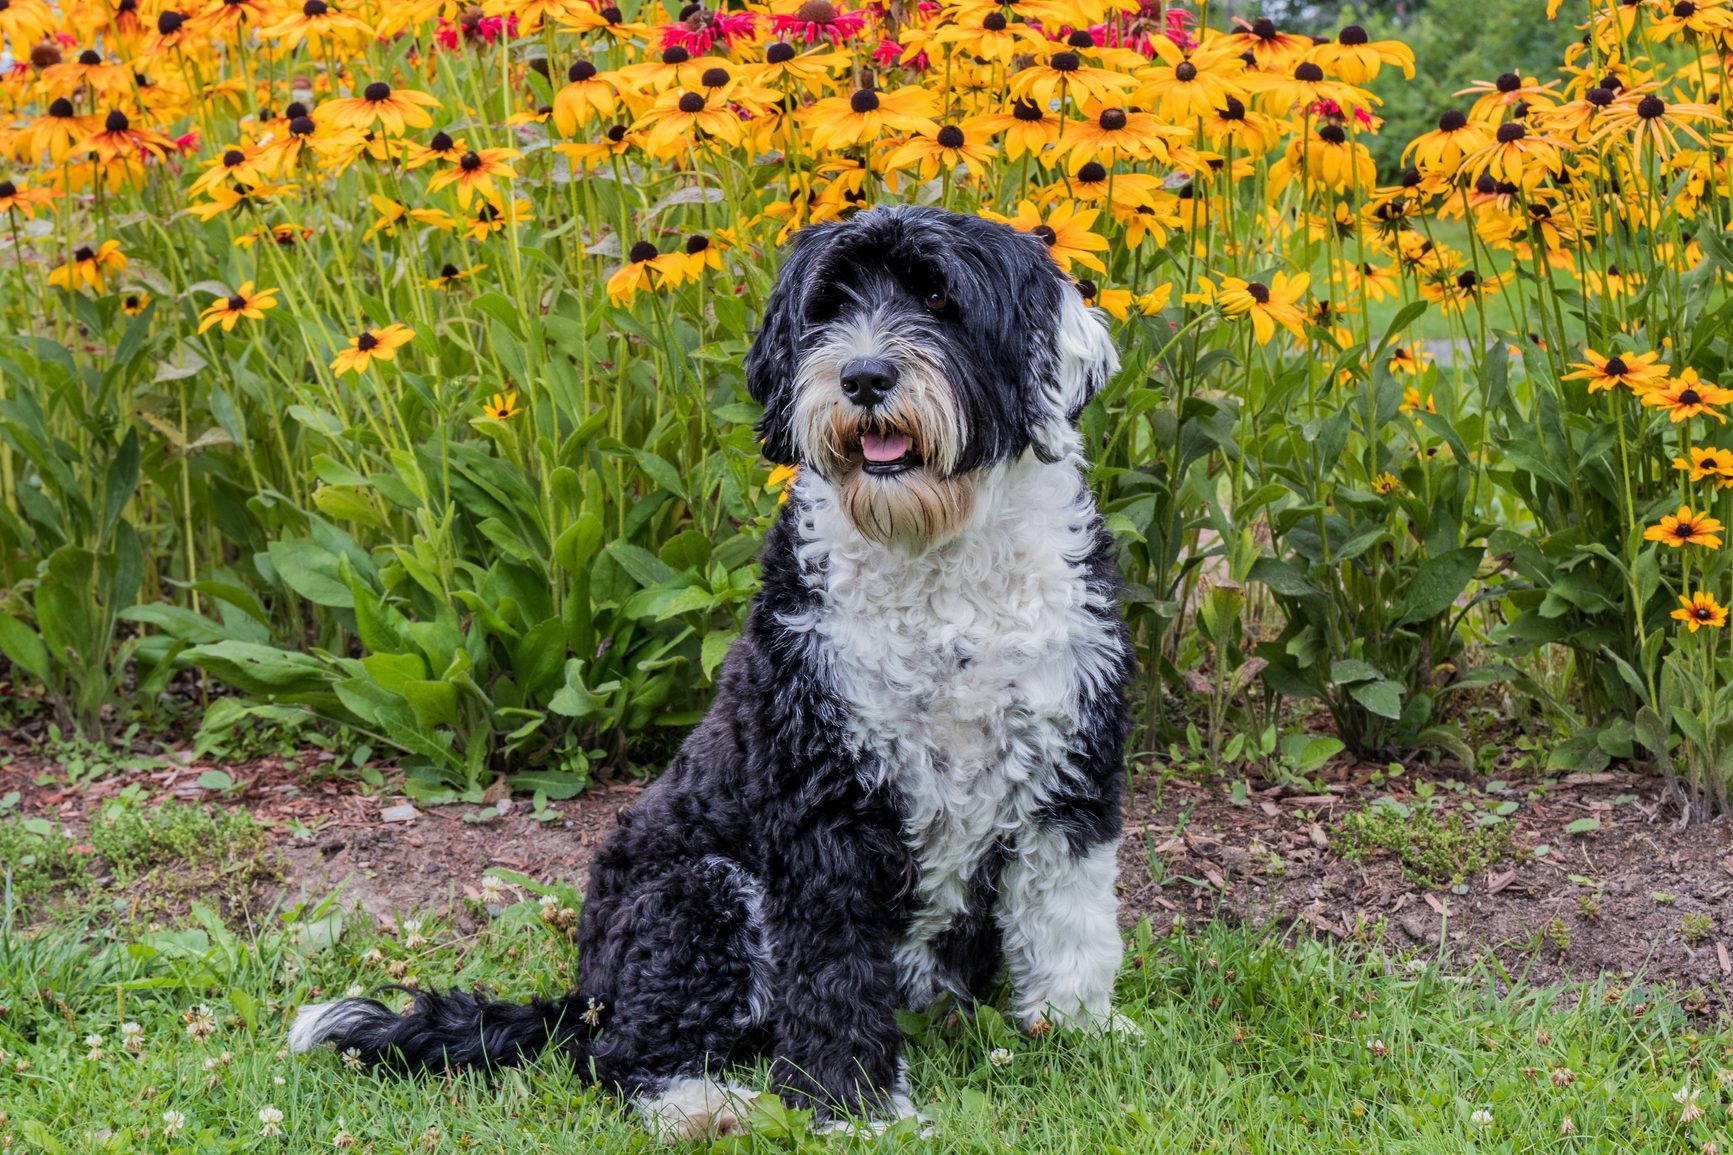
{"type": "Point", "coordinates": [906, 511]}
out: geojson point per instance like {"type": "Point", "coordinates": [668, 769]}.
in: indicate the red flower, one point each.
{"type": "Point", "coordinates": [889, 52]}
{"type": "Point", "coordinates": [817, 20]}
{"type": "Point", "coordinates": [703, 28]}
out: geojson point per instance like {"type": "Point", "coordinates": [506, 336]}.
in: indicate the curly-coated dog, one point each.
{"type": "Point", "coordinates": [909, 781]}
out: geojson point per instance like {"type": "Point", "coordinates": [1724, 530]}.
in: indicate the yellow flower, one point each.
{"type": "Point", "coordinates": [474, 173]}
{"type": "Point", "coordinates": [371, 345]}
{"type": "Point", "coordinates": [1708, 461]}
{"type": "Point", "coordinates": [1685, 396]}
{"type": "Point", "coordinates": [1356, 58]}
{"type": "Point", "coordinates": [635, 275]}
{"type": "Point", "coordinates": [1385, 484]}
{"type": "Point", "coordinates": [1699, 610]}
{"type": "Point", "coordinates": [1685, 528]}
{"type": "Point", "coordinates": [450, 274]}
{"type": "Point", "coordinates": [782, 477]}
{"type": "Point", "coordinates": [1066, 229]}
{"type": "Point", "coordinates": [134, 304]}
{"type": "Point", "coordinates": [1636, 371]}
{"type": "Point", "coordinates": [89, 268]}
{"type": "Point", "coordinates": [243, 302]}
{"type": "Point", "coordinates": [502, 406]}
{"type": "Point", "coordinates": [1268, 305]}
{"type": "Point", "coordinates": [840, 122]}
{"type": "Point", "coordinates": [379, 103]}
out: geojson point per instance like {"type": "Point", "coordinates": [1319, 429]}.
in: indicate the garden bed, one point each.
{"type": "Point", "coordinates": [1632, 896]}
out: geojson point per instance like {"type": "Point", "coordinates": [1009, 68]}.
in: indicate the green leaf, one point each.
{"type": "Point", "coordinates": [715, 649]}
{"type": "Point", "coordinates": [1583, 826]}
{"type": "Point", "coordinates": [21, 646]}
{"type": "Point", "coordinates": [1382, 697]}
{"type": "Point", "coordinates": [661, 472]}
{"type": "Point", "coordinates": [1438, 582]}
{"type": "Point", "coordinates": [311, 572]}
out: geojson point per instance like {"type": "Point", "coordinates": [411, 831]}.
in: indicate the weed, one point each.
{"type": "Point", "coordinates": [36, 859]}
{"type": "Point", "coordinates": [1435, 852]}
{"type": "Point", "coordinates": [1696, 928]}
{"type": "Point", "coordinates": [134, 840]}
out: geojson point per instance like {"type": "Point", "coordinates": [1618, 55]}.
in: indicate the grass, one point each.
{"type": "Point", "coordinates": [1252, 1043]}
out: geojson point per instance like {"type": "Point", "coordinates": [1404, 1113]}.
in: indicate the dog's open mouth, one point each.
{"type": "Point", "coordinates": [886, 452]}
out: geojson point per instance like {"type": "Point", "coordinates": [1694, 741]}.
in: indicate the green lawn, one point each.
{"type": "Point", "coordinates": [1251, 1044]}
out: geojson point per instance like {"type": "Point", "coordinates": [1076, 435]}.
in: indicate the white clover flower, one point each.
{"type": "Point", "coordinates": [355, 991]}
{"type": "Point", "coordinates": [352, 1060]}
{"type": "Point", "coordinates": [410, 929]}
{"type": "Point", "coordinates": [373, 955]}
{"type": "Point", "coordinates": [132, 1037]}
{"type": "Point", "coordinates": [1378, 1047]}
{"type": "Point", "coordinates": [94, 1042]}
{"type": "Point", "coordinates": [270, 1121]}
{"type": "Point", "coordinates": [342, 1138]}
{"type": "Point", "coordinates": [1415, 966]}
{"type": "Point", "coordinates": [200, 1022]}
{"type": "Point", "coordinates": [1001, 1057]}
{"type": "Point", "coordinates": [172, 1123]}
{"type": "Point", "coordinates": [1481, 1118]}
{"type": "Point", "coordinates": [492, 889]}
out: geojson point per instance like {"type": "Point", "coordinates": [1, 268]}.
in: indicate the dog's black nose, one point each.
{"type": "Point", "coordinates": [866, 380]}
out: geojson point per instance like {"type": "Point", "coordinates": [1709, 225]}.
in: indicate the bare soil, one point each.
{"type": "Point", "coordinates": [1611, 902]}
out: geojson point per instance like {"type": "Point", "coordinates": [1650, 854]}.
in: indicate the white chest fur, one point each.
{"type": "Point", "coordinates": [962, 667]}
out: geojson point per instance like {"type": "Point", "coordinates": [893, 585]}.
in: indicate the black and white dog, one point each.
{"type": "Point", "coordinates": [910, 778]}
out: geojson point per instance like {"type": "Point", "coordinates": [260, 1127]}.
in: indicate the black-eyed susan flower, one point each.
{"type": "Point", "coordinates": [1648, 121]}
{"type": "Point", "coordinates": [318, 21]}
{"type": "Point", "coordinates": [1385, 484]}
{"type": "Point", "coordinates": [1700, 610]}
{"type": "Point", "coordinates": [1355, 57]}
{"type": "Point", "coordinates": [1028, 128]}
{"type": "Point", "coordinates": [450, 274]}
{"type": "Point", "coordinates": [1686, 396]}
{"type": "Point", "coordinates": [588, 93]}
{"type": "Point", "coordinates": [53, 135]}
{"type": "Point", "coordinates": [475, 172]}
{"type": "Point", "coordinates": [1707, 461]}
{"type": "Point", "coordinates": [1443, 149]}
{"type": "Point", "coordinates": [441, 147]}
{"type": "Point", "coordinates": [1246, 130]}
{"type": "Point", "coordinates": [1066, 229]}
{"type": "Point", "coordinates": [119, 138]}
{"type": "Point", "coordinates": [1188, 85]}
{"type": "Point", "coordinates": [781, 480]}
{"type": "Point", "coordinates": [1272, 50]}
{"type": "Point", "coordinates": [817, 22]}
{"type": "Point", "coordinates": [1638, 372]}
{"type": "Point", "coordinates": [1110, 132]}
{"type": "Point", "coordinates": [635, 275]}
{"type": "Point", "coordinates": [1266, 304]}
{"type": "Point", "coordinates": [679, 118]}
{"type": "Point", "coordinates": [841, 122]}
{"type": "Point", "coordinates": [1494, 97]}
{"type": "Point", "coordinates": [501, 406]}
{"type": "Point", "coordinates": [24, 201]}
{"type": "Point", "coordinates": [245, 302]}
{"type": "Point", "coordinates": [135, 303]}
{"type": "Point", "coordinates": [393, 109]}
{"type": "Point", "coordinates": [1685, 528]}
{"type": "Point", "coordinates": [942, 151]}
{"type": "Point", "coordinates": [1065, 73]}
{"type": "Point", "coordinates": [1411, 361]}
{"type": "Point", "coordinates": [371, 345]}
{"type": "Point", "coordinates": [89, 267]}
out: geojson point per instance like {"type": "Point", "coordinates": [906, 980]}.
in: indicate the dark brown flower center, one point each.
{"type": "Point", "coordinates": [8, 190]}
{"type": "Point", "coordinates": [1080, 39]}
{"type": "Point", "coordinates": [1452, 120]}
{"type": "Point", "coordinates": [1467, 279]}
{"type": "Point", "coordinates": [1684, 529]}
{"type": "Point", "coordinates": [1508, 82]}
{"type": "Point", "coordinates": [1026, 110]}
{"type": "Point", "coordinates": [675, 55]}
{"type": "Point", "coordinates": [234, 158]}
{"type": "Point", "coordinates": [641, 252]}
{"type": "Point", "coordinates": [1234, 109]}
{"type": "Point", "coordinates": [315, 8]}
{"type": "Point", "coordinates": [1333, 134]}
{"type": "Point", "coordinates": [714, 77]}
{"type": "Point", "coordinates": [1112, 119]}
{"type": "Point", "coordinates": [816, 12]}
{"type": "Point", "coordinates": [83, 253]}
{"type": "Point", "coordinates": [116, 122]}
{"type": "Point", "coordinates": [691, 103]}
{"type": "Point", "coordinates": [236, 302]}
{"type": "Point", "coordinates": [697, 243]}
{"type": "Point", "coordinates": [1064, 62]}
{"type": "Point", "coordinates": [1046, 233]}
{"type": "Point", "coordinates": [779, 53]}
{"type": "Point", "coordinates": [1704, 614]}
{"type": "Point", "coordinates": [170, 22]}
{"type": "Point", "coordinates": [1651, 106]}
{"type": "Point", "coordinates": [864, 100]}
{"type": "Point", "coordinates": [1690, 397]}
{"type": "Point", "coordinates": [90, 56]}
{"type": "Point", "coordinates": [1264, 28]}
{"type": "Point", "coordinates": [469, 162]}
{"type": "Point", "coordinates": [1600, 97]}
{"type": "Point", "coordinates": [993, 22]}
{"type": "Point", "coordinates": [1092, 173]}
{"type": "Point", "coordinates": [60, 108]}
{"type": "Point", "coordinates": [1510, 132]}
{"type": "Point", "coordinates": [1308, 72]}
{"type": "Point", "coordinates": [1353, 35]}
{"type": "Point", "coordinates": [1615, 367]}
{"type": "Point", "coordinates": [301, 126]}
{"type": "Point", "coordinates": [1259, 292]}
{"type": "Point", "coordinates": [448, 271]}
{"type": "Point", "coordinates": [366, 342]}
{"type": "Point", "coordinates": [1185, 70]}
{"type": "Point", "coordinates": [950, 136]}
{"type": "Point", "coordinates": [376, 92]}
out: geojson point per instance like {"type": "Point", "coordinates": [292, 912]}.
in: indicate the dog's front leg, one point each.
{"type": "Point", "coordinates": [830, 919]}
{"type": "Point", "coordinates": [1057, 914]}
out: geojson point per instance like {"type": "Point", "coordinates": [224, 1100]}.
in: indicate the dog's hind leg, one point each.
{"type": "Point", "coordinates": [676, 967]}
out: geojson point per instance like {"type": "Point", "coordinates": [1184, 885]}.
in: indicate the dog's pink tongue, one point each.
{"type": "Point", "coordinates": [884, 448]}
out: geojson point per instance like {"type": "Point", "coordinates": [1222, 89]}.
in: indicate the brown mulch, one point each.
{"type": "Point", "coordinates": [1191, 851]}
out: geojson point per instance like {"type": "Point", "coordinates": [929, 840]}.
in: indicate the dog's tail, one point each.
{"type": "Point", "coordinates": [441, 1031]}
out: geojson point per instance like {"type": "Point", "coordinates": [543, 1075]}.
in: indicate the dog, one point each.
{"type": "Point", "coordinates": [909, 780]}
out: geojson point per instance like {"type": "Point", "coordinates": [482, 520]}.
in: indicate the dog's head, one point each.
{"type": "Point", "coordinates": [906, 350]}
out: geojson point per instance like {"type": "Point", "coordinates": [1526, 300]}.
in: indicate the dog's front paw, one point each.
{"type": "Point", "coordinates": [1096, 1024]}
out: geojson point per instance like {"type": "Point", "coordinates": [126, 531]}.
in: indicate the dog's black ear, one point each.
{"type": "Point", "coordinates": [775, 354]}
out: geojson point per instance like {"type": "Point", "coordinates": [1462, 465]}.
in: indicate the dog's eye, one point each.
{"type": "Point", "coordinates": [938, 302]}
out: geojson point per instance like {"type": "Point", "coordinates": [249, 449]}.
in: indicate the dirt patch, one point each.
{"type": "Point", "coordinates": [1630, 896]}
